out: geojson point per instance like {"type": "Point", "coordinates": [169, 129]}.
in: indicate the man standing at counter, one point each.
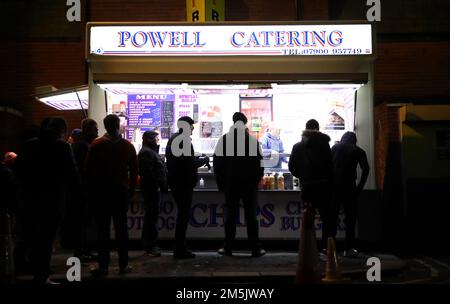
{"type": "Point", "coordinates": [347, 156]}
{"type": "Point", "coordinates": [112, 171]}
{"type": "Point", "coordinates": [312, 164]}
{"type": "Point", "coordinates": [182, 176]}
{"type": "Point", "coordinates": [237, 167]}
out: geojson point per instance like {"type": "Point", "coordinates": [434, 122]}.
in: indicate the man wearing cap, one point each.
{"type": "Point", "coordinates": [312, 164]}
{"type": "Point", "coordinates": [153, 179]}
{"type": "Point", "coordinates": [237, 167]}
{"type": "Point", "coordinates": [182, 176]}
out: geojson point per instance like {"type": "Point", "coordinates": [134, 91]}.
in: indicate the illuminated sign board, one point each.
{"type": "Point", "coordinates": [232, 40]}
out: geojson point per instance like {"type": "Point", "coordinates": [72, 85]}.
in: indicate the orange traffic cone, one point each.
{"type": "Point", "coordinates": [333, 273]}
{"type": "Point", "coordinates": [308, 261]}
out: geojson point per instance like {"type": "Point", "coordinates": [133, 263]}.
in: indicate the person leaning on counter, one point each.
{"type": "Point", "coordinates": [182, 177]}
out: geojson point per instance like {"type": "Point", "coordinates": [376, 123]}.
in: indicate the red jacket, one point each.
{"type": "Point", "coordinates": [112, 163]}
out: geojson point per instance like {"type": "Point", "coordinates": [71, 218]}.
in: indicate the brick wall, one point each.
{"type": "Point", "coordinates": [256, 10]}
{"type": "Point", "coordinates": [404, 71]}
{"type": "Point", "coordinates": [137, 10]}
{"type": "Point", "coordinates": [315, 10]}
{"type": "Point", "coordinates": [59, 64]}
{"type": "Point", "coordinates": [414, 70]}
{"type": "Point", "coordinates": [387, 131]}
{"type": "Point", "coordinates": [175, 10]}
{"type": "Point", "coordinates": [33, 64]}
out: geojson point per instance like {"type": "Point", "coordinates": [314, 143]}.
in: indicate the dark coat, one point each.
{"type": "Point", "coordinates": [346, 158]}
{"type": "Point", "coordinates": [232, 170]}
{"type": "Point", "coordinates": [80, 150]}
{"type": "Point", "coordinates": [152, 170]}
{"type": "Point", "coordinates": [7, 187]}
{"type": "Point", "coordinates": [311, 160]}
{"type": "Point", "coordinates": [182, 170]}
{"type": "Point", "coordinates": [47, 174]}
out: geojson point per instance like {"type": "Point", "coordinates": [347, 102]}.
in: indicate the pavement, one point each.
{"type": "Point", "coordinates": [276, 267]}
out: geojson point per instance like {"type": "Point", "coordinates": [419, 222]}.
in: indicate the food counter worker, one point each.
{"type": "Point", "coordinates": [272, 144]}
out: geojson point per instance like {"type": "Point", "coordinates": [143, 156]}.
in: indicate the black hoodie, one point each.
{"type": "Point", "coordinates": [346, 158]}
{"type": "Point", "coordinates": [311, 160]}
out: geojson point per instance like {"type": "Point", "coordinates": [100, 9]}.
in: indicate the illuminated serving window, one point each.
{"type": "Point", "coordinates": [273, 111]}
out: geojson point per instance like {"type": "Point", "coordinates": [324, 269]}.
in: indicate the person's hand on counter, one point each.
{"type": "Point", "coordinates": [205, 161]}
{"type": "Point", "coordinates": [208, 166]}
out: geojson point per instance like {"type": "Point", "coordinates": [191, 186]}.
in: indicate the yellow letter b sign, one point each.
{"type": "Point", "coordinates": [205, 10]}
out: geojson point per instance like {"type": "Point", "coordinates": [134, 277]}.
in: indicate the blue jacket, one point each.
{"type": "Point", "coordinates": [269, 142]}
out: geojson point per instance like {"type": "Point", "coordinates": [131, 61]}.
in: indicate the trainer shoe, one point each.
{"type": "Point", "coordinates": [154, 251]}
{"type": "Point", "coordinates": [258, 252]}
{"type": "Point", "coordinates": [126, 269]}
{"type": "Point", "coordinates": [351, 253]}
{"type": "Point", "coordinates": [323, 256]}
{"type": "Point", "coordinates": [226, 252]}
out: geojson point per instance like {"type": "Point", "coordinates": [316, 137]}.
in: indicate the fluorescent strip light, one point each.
{"type": "Point", "coordinates": [139, 86]}
{"type": "Point", "coordinates": [318, 86]}
{"type": "Point", "coordinates": [67, 101]}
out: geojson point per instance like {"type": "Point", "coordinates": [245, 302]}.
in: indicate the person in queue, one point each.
{"type": "Point", "coordinates": [238, 170]}
{"type": "Point", "coordinates": [182, 167]}
{"type": "Point", "coordinates": [312, 164]}
{"type": "Point", "coordinates": [152, 171]}
{"type": "Point", "coordinates": [47, 175]}
{"type": "Point", "coordinates": [111, 171]}
{"type": "Point", "coordinates": [80, 213]}
{"type": "Point", "coordinates": [347, 156]}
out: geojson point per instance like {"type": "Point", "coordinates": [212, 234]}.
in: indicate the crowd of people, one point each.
{"type": "Point", "coordinates": [92, 179]}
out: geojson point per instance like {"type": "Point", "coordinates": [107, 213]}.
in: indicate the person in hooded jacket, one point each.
{"type": "Point", "coordinates": [347, 156]}
{"type": "Point", "coordinates": [311, 163]}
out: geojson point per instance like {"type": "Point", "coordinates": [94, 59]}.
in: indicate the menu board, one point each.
{"type": "Point", "coordinates": [186, 106]}
{"type": "Point", "coordinates": [150, 111]}
{"type": "Point", "coordinates": [144, 110]}
{"type": "Point", "coordinates": [168, 113]}
{"type": "Point", "coordinates": [168, 118]}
